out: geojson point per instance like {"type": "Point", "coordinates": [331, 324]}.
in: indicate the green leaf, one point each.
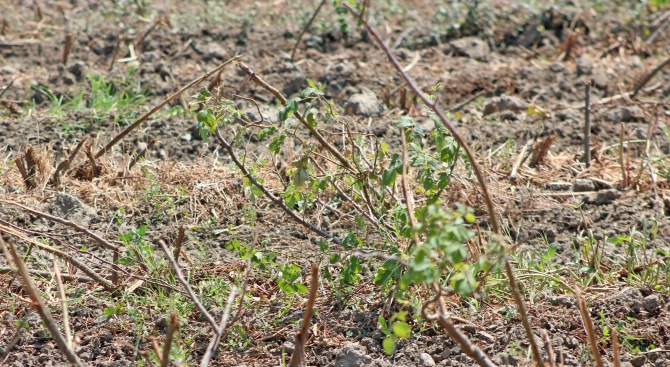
{"type": "Point", "coordinates": [382, 322]}
{"type": "Point", "coordinates": [401, 329]}
{"type": "Point", "coordinates": [388, 177]}
{"type": "Point", "coordinates": [389, 345]}
{"type": "Point", "coordinates": [300, 288]}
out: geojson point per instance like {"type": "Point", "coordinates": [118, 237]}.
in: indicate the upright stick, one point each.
{"type": "Point", "coordinates": [587, 126]}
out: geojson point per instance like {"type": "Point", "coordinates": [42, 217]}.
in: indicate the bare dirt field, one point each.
{"type": "Point", "coordinates": [305, 206]}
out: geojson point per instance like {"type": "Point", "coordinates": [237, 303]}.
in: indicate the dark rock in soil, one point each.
{"type": "Point", "coordinates": [471, 47]}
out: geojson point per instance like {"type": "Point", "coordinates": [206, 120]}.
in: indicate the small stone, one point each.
{"type": "Point", "coordinates": [161, 323]}
{"type": "Point", "coordinates": [352, 355]}
{"type": "Point", "coordinates": [632, 297]}
{"type": "Point", "coordinates": [70, 207]}
{"type": "Point", "coordinates": [568, 114]}
{"type": "Point", "coordinates": [426, 360]}
{"type": "Point", "coordinates": [638, 361]}
{"type": "Point", "coordinates": [469, 329]}
{"type": "Point", "coordinates": [564, 301]}
{"type": "Point", "coordinates": [8, 70]}
{"type": "Point", "coordinates": [651, 303]}
{"type": "Point", "coordinates": [288, 347]}
{"type": "Point", "coordinates": [626, 364]}
{"type": "Point", "coordinates": [187, 137]}
{"type": "Point", "coordinates": [571, 342]}
{"type": "Point", "coordinates": [625, 114]}
{"type": "Point", "coordinates": [583, 184]}
{"type": "Point", "coordinates": [365, 104]}
{"type": "Point", "coordinates": [558, 186]}
{"type": "Point", "coordinates": [67, 80]}
{"type": "Point", "coordinates": [77, 69]}
{"type": "Point", "coordinates": [607, 196]}
{"type": "Point", "coordinates": [505, 103]}
{"type": "Point", "coordinates": [557, 67]}
{"type": "Point", "coordinates": [471, 47]}
{"type": "Point", "coordinates": [584, 65]}
{"type": "Point", "coordinates": [600, 78]}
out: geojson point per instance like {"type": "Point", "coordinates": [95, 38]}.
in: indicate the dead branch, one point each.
{"type": "Point", "coordinates": [540, 150]}
{"type": "Point", "coordinates": [432, 106]}
{"type": "Point", "coordinates": [187, 287]}
{"type": "Point", "coordinates": [298, 357]}
{"type": "Point", "coordinates": [64, 222]}
{"type": "Point", "coordinates": [88, 271]}
{"type": "Point", "coordinates": [42, 309]}
{"type": "Point", "coordinates": [146, 116]}
{"type": "Point", "coordinates": [141, 154]}
{"type": "Point", "coordinates": [444, 320]}
{"type": "Point", "coordinates": [63, 300]}
{"type": "Point", "coordinates": [522, 312]}
{"type": "Point", "coordinates": [309, 24]}
{"type": "Point", "coordinates": [218, 331]}
{"type": "Point", "coordinates": [269, 195]}
{"type": "Point", "coordinates": [258, 80]}
{"type": "Point", "coordinates": [172, 327]}
{"type": "Point", "coordinates": [588, 327]}
{"type": "Point", "coordinates": [62, 166]}
{"type": "Point", "coordinates": [648, 77]}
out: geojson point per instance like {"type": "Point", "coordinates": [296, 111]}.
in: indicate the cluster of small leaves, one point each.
{"type": "Point", "coordinates": [398, 328]}
{"type": "Point", "coordinates": [213, 115]}
{"type": "Point", "coordinates": [287, 275]}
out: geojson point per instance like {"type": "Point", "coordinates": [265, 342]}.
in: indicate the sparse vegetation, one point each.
{"type": "Point", "coordinates": [426, 204]}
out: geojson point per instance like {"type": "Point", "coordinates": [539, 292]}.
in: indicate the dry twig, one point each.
{"type": "Point", "coordinates": [62, 166]}
{"type": "Point", "coordinates": [522, 313]}
{"type": "Point", "coordinates": [648, 77]}
{"type": "Point", "coordinates": [146, 116]}
{"type": "Point", "coordinates": [309, 24]}
{"type": "Point", "coordinates": [588, 327]}
{"type": "Point", "coordinates": [218, 331]}
{"type": "Point", "coordinates": [268, 194]}
{"type": "Point", "coordinates": [42, 309]}
{"type": "Point", "coordinates": [172, 327]}
{"type": "Point", "coordinates": [298, 357]}
{"type": "Point", "coordinates": [433, 107]}
{"type": "Point", "coordinates": [65, 222]}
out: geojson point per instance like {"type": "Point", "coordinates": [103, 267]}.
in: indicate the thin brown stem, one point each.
{"type": "Point", "coordinates": [146, 116]}
{"type": "Point", "coordinates": [445, 321]}
{"type": "Point", "coordinates": [62, 254]}
{"type": "Point", "coordinates": [258, 80]}
{"type": "Point", "coordinates": [187, 286]}
{"type": "Point", "coordinates": [298, 356]}
{"type": "Point", "coordinates": [409, 200]}
{"type": "Point", "coordinates": [141, 154]}
{"type": "Point", "coordinates": [62, 166]}
{"type": "Point", "coordinates": [304, 29]}
{"type": "Point", "coordinates": [587, 126]}
{"type": "Point", "coordinates": [268, 194]}
{"type": "Point", "coordinates": [521, 305]}
{"type": "Point", "coordinates": [63, 300]}
{"type": "Point", "coordinates": [648, 77]}
{"type": "Point", "coordinates": [172, 327]}
{"type": "Point", "coordinates": [42, 309]}
{"type": "Point", "coordinates": [64, 222]}
{"type": "Point", "coordinates": [588, 327]}
{"type": "Point", "coordinates": [550, 349]}
{"type": "Point", "coordinates": [218, 331]}
{"type": "Point", "coordinates": [431, 105]}
{"type": "Point", "coordinates": [616, 359]}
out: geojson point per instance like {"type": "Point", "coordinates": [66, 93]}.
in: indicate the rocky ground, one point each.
{"type": "Point", "coordinates": [510, 73]}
